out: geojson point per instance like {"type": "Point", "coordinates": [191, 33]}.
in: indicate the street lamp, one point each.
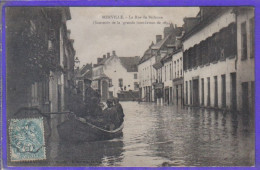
{"type": "Point", "coordinates": [77, 62]}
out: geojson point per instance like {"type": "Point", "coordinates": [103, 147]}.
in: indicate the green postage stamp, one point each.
{"type": "Point", "coordinates": [27, 139]}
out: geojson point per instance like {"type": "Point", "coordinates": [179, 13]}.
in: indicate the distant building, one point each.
{"type": "Point", "coordinates": [85, 72]}
{"type": "Point", "coordinates": [177, 77]}
{"type": "Point", "coordinates": [146, 75]}
{"type": "Point", "coordinates": [156, 68]}
{"type": "Point", "coordinates": [116, 76]}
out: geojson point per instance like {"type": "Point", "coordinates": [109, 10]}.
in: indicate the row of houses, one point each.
{"type": "Point", "coordinates": [40, 59]}
{"type": "Point", "coordinates": [208, 62]}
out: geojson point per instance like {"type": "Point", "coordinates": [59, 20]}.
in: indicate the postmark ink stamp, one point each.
{"type": "Point", "coordinates": [27, 139]}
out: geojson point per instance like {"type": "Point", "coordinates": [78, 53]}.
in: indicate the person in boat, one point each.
{"type": "Point", "coordinates": [109, 115]}
{"type": "Point", "coordinates": [95, 115]}
{"type": "Point", "coordinates": [120, 113]}
{"type": "Point", "coordinates": [76, 104]}
{"type": "Point", "coordinates": [91, 97]}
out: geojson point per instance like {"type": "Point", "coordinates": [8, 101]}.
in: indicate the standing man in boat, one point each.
{"type": "Point", "coordinates": [76, 104]}
{"type": "Point", "coordinates": [90, 97]}
{"type": "Point", "coordinates": [120, 112]}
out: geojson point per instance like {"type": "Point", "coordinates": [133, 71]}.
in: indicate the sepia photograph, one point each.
{"type": "Point", "coordinates": [130, 86]}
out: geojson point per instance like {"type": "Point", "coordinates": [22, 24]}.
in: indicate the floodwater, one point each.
{"type": "Point", "coordinates": [156, 135]}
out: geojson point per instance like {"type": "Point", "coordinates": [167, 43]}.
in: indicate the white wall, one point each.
{"type": "Point", "coordinates": [115, 71]}
{"type": "Point", "coordinates": [246, 68]}
{"type": "Point", "coordinates": [211, 70]}
{"type": "Point", "coordinates": [178, 58]}
{"type": "Point", "coordinates": [147, 75]}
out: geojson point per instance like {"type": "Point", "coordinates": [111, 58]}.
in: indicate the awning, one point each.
{"type": "Point", "coordinates": [157, 65]}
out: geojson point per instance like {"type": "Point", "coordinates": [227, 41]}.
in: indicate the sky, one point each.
{"type": "Point", "coordinates": [127, 30]}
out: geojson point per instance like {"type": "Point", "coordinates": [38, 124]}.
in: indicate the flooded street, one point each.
{"type": "Point", "coordinates": [169, 136]}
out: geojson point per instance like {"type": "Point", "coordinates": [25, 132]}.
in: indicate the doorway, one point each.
{"type": "Point", "coordinates": [167, 96]}
{"type": "Point", "coordinates": [104, 91]}
{"type": "Point", "coordinates": [171, 95]}
{"type": "Point", "coordinates": [216, 91]}
{"type": "Point", "coordinates": [223, 77]}
{"type": "Point", "coordinates": [245, 99]}
{"type": "Point", "coordinates": [233, 91]}
{"type": "Point", "coordinates": [195, 92]}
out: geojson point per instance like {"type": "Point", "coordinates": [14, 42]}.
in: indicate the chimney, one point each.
{"type": "Point", "coordinates": [114, 52]}
{"type": "Point", "coordinates": [158, 38]}
{"type": "Point", "coordinates": [104, 56]}
{"type": "Point", "coordinates": [108, 55]}
{"type": "Point", "coordinates": [99, 60]}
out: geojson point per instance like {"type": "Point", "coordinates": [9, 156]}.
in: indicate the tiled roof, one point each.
{"type": "Point", "coordinates": [146, 56]}
{"type": "Point", "coordinates": [101, 76]}
{"type": "Point", "coordinates": [130, 63]}
{"type": "Point", "coordinates": [158, 45]}
{"type": "Point", "coordinates": [85, 68]}
{"type": "Point", "coordinates": [209, 15]}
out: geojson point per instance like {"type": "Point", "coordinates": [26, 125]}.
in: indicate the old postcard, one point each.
{"type": "Point", "coordinates": [130, 86]}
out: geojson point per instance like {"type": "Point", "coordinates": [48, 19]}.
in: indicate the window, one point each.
{"type": "Point", "coordinates": [222, 45]}
{"type": "Point", "coordinates": [243, 41]}
{"type": "Point", "coordinates": [51, 34]}
{"type": "Point", "coordinates": [164, 73]}
{"type": "Point", "coordinates": [136, 86]}
{"type": "Point", "coordinates": [178, 67]}
{"type": "Point", "coordinates": [174, 69]}
{"type": "Point", "coordinates": [135, 76]}
{"type": "Point", "coordinates": [217, 46]}
{"type": "Point", "coordinates": [198, 54]}
{"type": "Point", "coordinates": [120, 81]}
{"type": "Point", "coordinates": [45, 90]}
{"type": "Point", "coordinates": [252, 37]}
{"type": "Point", "coordinates": [50, 45]}
{"type": "Point", "coordinates": [110, 83]}
{"type": "Point", "coordinates": [186, 92]}
{"type": "Point", "coordinates": [170, 71]}
{"type": "Point", "coordinates": [193, 57]}
{"type": "Point", "coordinates": [185, 61]}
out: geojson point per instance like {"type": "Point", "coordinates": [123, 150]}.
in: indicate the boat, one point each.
{"type": "Point", "coordinates": [79, 130]}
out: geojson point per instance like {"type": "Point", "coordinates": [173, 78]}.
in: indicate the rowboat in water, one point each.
{"type": "Point", "coordinates": [79, 130]}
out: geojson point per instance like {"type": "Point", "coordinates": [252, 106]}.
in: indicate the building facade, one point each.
{"type": "Point", "coordinates": [85, 72]}
{"type": "Point", "coordinates": [210, 60]}
{"type": "Point", "coordinates": [156, 67]}
{"type": "Point", "coordinates": [147, 75]}
{"type": "Point", "coordinates": [116, 76]}
{"type": "Point", "coordinates": [40, 58]}
{"type": "Point", "coordinates": [245, 59]}
{"type": "Point", "coordinates": [177, 78]}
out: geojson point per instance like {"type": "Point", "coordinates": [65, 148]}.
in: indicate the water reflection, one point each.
{"type": "Point", "coordinates": [101, 153]}
{"type": "Point", "coordinates": [170, 136]}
